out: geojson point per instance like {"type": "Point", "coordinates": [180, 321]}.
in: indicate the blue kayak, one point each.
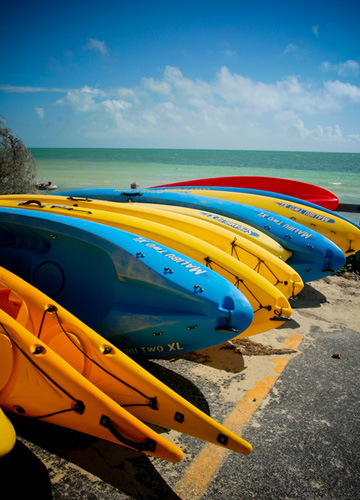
{"type": "Point", "coordinates": [145, 298]}
{"type": "Point", "coordinates": [313, 255]}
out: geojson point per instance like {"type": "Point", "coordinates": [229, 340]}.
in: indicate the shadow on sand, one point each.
{"type": "Point", "coordinates": [308, 297]}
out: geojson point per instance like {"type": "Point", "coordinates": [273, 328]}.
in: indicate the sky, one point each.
{"type": "Point", "coordinates": [261, 75]}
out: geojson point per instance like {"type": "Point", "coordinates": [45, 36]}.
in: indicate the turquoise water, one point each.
{"type": "Point", "coordinates": [119, 168]}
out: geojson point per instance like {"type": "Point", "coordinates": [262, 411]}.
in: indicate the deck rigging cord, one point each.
{"type": "Point", "coordinates": [152, 401]}
{"type": "Point", "coordinates": [79, 407]}
{"type": "Point", "coordinates": [235, 245]}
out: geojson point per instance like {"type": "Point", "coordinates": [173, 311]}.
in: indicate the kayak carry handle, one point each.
{"type": "Point", "coordinates": [32, 202]}
{"type": "Point", "coordinates": [73, 198]}
{"type": "Point", "coordinates": [227, 327]}
{"type": "Point", "coordinates": [148, 445]}
{"type": "Point", "coordinates": [279, 317]}
{"type": "Point", "coordinates": [124, 193]}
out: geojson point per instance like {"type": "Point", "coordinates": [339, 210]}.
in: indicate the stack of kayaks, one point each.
{"type": "Point", "coordinates": [146, 298]}
{"type": "Point", "coordinates": [337, 228]}
{"type": "Point", "coordinates": [317, 238]}
{"type": "Point", "coordinates": [155, 272]}
{"type": "Point", "coordinates": [265, 281]}
{"type": "Point", "coordinates": [55, 368]}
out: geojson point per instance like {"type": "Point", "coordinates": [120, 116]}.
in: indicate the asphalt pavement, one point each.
{"type": "Point", "coordinates": [306, 438]}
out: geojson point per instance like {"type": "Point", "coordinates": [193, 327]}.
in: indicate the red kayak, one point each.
{"type": "Point", "coordinates": [297, 189]}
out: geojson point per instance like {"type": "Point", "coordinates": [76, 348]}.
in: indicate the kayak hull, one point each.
{"type": "Point", "coordinates": [297, 189]}
{"type": "Point", "coordinates": [145, 220]}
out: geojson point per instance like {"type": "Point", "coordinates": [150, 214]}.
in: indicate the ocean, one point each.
{"type": "Point", "coordinates": [78, 168]}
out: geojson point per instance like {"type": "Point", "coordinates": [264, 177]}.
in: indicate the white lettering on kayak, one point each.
{"type": "Point", "coordinates": [173, 346]}
{"type": "Point", "coordinates": [306, 212]}
{"type": "Point", "coordinates": [191, 266]}
{"type": "Point", "coordinates": [297, 230]}
{"type": "Point", "coordinates": [231, 223]}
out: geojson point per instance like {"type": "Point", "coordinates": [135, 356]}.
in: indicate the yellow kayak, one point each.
{"type": "Point", "coordinates": [7, 435]}
{"type": "Point", "coordinates": [36, 323]}
{"type": "Point", "coordinates": [271, 307]}
{"type": "Point", "coordinates": [337, 229]}
{"type": "Point", "coordinates": [239, 229]}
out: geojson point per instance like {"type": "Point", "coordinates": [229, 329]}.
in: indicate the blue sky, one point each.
{"type": "Point", "coordinates": [210, 75]}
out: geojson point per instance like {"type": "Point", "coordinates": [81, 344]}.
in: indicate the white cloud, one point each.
{"type": "Point", "coordinates": [347, 68]}
{"type": "Point", "coordinates": [329, 132]}
{"type": "Point", "coordinates": [97, 46]}
{"type": "Point", "coordinates": [157, 87]}
{"type": "Point", "coordinates": [315, 30]}
{"type": "Point", "coordinates": [82, 100]}
{"type": "Point", "coordinates": [343, 90]}
{"type": "Point", "coordinates": [40, 112]}
{"type": "Point", "coordinates": [228, 90]}
{"type": "Point", "coordinates": [149, 116]}
{"type": "Point", "coordinates": [237, 89]}
{"type": "Point", "coordinates": [182, 110]}
{"type": "Point", "coordinates": [27, 89]}
{"type": "Point", "coordinates": [186, 87]}
{"type": "Point", "coordinates": [283, 95]}
{"type": "Point", "coordinates": [115, 105]}
{"type": "Point", "coordinates": [229, 111]}
{"type": "Point", "coordinates": [290, 48]}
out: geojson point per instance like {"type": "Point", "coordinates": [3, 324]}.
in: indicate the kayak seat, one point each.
{"type": "Point", "coordinates": [13, 305]}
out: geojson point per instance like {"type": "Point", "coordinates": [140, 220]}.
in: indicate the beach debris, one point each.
{"type": "Point", "coordinates": [248, 347]}
{"type": "Point", "coordinates": [336, 355]}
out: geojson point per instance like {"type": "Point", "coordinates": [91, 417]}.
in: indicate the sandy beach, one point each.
{"type": "Point", "coordinates": [222, 381]}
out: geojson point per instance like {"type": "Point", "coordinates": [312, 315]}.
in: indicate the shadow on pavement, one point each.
{"type": "Point", "coordinates": [126, 470]}
{"type": "Point", "coordinates": [23, 475]}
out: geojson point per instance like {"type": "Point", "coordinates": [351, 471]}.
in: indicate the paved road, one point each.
{"type": "Point", "coordinates": [306, 438]}
{"type": "Point", "coordinates": [305, 435]}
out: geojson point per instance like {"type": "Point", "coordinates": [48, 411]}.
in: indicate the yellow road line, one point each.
{"type": "Point", "coordinates": [200, 473]}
